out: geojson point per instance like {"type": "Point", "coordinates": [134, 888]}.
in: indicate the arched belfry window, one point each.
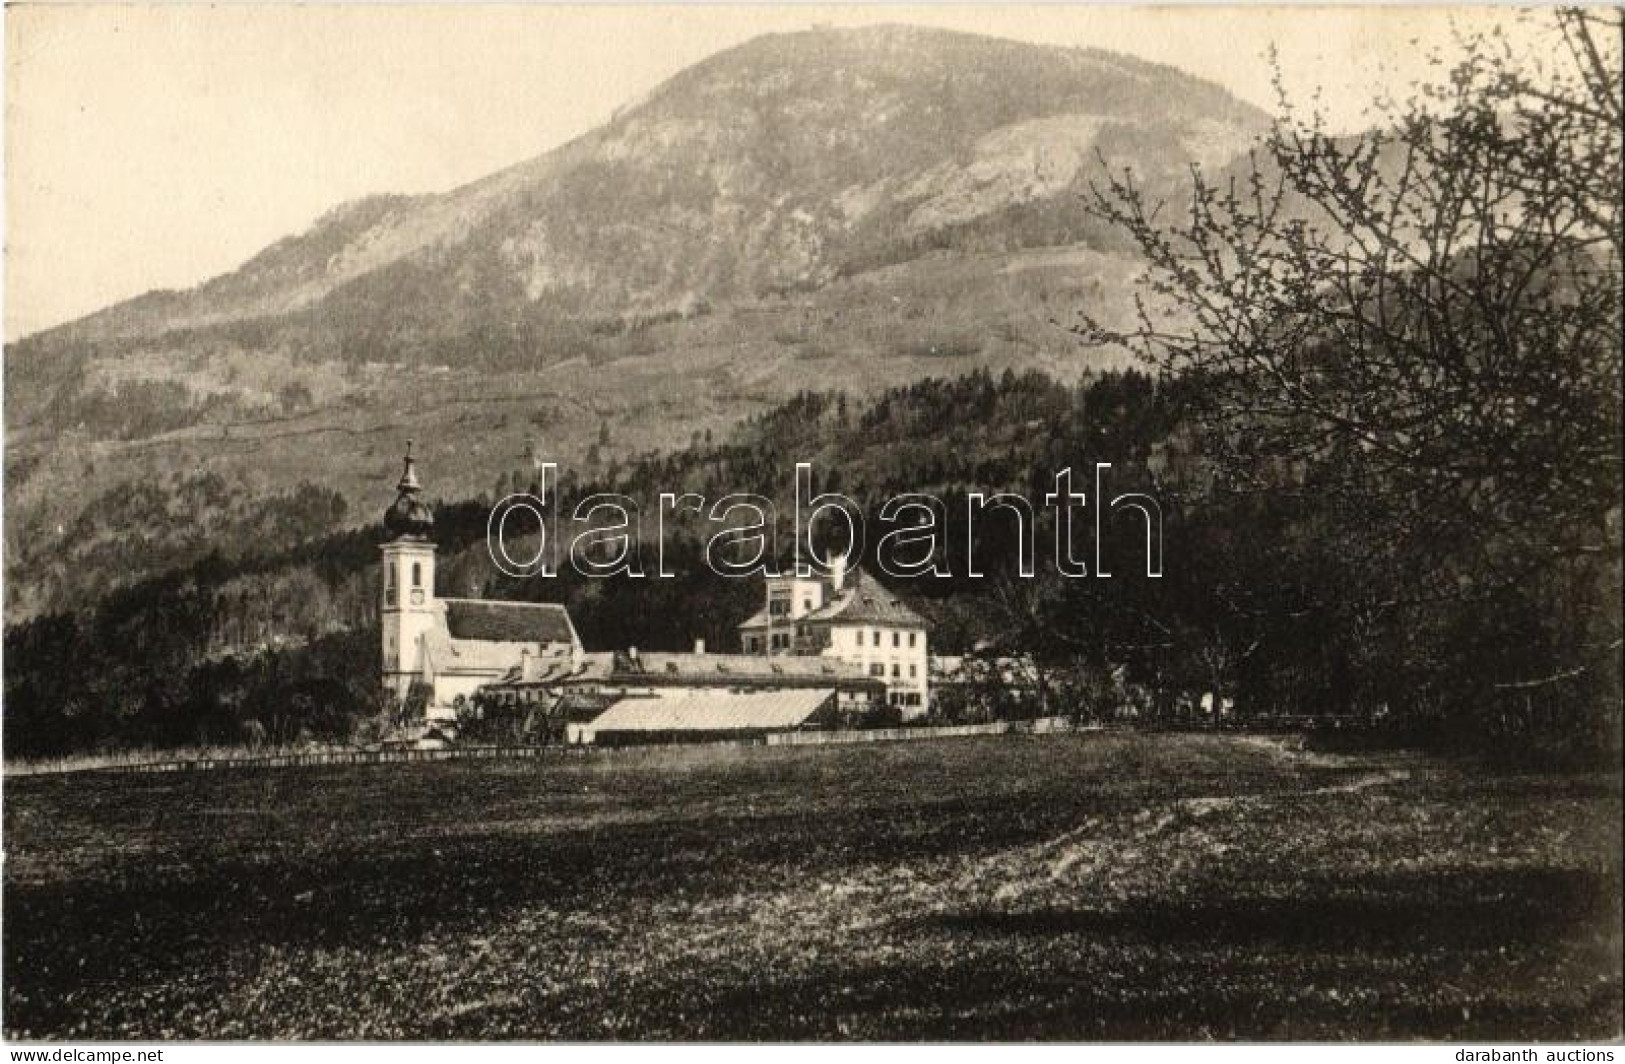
{"type": "Point", "coordinates": [417, 574]}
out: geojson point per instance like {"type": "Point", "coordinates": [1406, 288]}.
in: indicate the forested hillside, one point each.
{"type": "Point", "coordinates": [1256, 602]}
{"type": "Point", "coordinates": [285, 637]}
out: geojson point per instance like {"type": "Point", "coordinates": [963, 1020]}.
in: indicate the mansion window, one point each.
{"type": "Point", "coordinates": [911, 640]}
{"type": "Point", "coordinates": [876, 636]}
{"type": "Point", "coordinates": [877, 669]}
{"type": "Point", "coordinates": [896, 639]}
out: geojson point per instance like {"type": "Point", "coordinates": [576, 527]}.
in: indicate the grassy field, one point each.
{"type": "Point", "coordinates": [1110, 887]}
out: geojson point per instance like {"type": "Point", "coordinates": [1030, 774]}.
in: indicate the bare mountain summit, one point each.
{"type": "Point", "coordinates": [779, 164]}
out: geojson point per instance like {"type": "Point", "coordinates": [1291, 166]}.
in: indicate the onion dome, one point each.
{"type": "Point", "coordinates": [409, 517]}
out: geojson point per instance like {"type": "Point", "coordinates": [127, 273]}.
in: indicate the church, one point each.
{"type": "Point", "coordinates": [451, 647]}
{"type": "Point", "coordinates": [820, 647]}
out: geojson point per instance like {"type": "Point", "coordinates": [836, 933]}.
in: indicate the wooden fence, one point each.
{"type": "Point", "coordinates": [1039, 726]}
{"type": "Point", "coordinates": [562, 751]}
{"type": "Point", "coordinates": [1042, 725]}
{"type": "Point", "coordinates": [1271, 722]}
{"type": "Point", "coordinates": [354, 757]}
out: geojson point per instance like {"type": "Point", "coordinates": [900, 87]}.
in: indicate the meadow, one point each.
{"type": "Point", "coordinates": [1115, 886]}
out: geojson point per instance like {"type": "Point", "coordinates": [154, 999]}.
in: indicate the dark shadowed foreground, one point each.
{"type": "Point", "coordinates": [1113, 887]}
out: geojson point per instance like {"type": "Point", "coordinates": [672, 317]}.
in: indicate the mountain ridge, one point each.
{"type": "Point", "coordinates": [359, 236]}
{"type": "Point", "coordinates": [830, 208]}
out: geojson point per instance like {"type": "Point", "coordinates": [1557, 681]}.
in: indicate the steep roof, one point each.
{"type": "Point", "coordinates": [447, 655]}
{"type": "Point", "coordinates": [861, 600]}
{"type": "Point", "coordinates": [713, 711]}
{"type": "Point", "coordinates": [864, 600]}
{"type": "Point", "coordinates": [508, 622]}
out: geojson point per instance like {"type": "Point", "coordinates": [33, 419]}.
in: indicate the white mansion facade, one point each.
{"type": "Point", "coordinates": [850, 617]}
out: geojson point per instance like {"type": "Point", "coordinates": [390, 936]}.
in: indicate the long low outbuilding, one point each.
{"type": "Point", "coordinates": [698, 714]}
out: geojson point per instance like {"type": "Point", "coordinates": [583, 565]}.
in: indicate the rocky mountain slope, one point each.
{"type": "Point", "coordinates": [849, 208]}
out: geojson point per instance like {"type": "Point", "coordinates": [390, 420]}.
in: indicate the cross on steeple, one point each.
{"type": "Point", "coordinates": [409, 477]}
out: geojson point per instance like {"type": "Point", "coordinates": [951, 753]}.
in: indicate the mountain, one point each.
{"type": "Point", "coordinates": [778, 165]}
{"type": "Point", "coordinates": [836, 207]}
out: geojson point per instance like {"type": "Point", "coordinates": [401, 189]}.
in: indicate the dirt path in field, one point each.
{"type": "Point", "coordinates": [1102, 862]}
{"type": "Point", "coordinates": [870, 916]}
{"type": "Point", "coordinates": [1088, 847]}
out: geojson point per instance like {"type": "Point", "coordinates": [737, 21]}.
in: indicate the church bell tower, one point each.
{"type": "Point", "coordinates": [409, 609]}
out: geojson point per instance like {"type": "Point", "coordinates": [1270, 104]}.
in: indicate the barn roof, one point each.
{"type": "Point", "coordinates": [508, 622]}
{"type": "Point", "coordinates": [718, 670]}
{"type": "Point", "coordinates": [686, 710]}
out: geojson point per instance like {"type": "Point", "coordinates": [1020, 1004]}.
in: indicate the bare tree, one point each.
{"type": "Point", "coordinates": [1422, 324]}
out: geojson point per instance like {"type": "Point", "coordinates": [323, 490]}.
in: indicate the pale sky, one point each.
{"type": "Point", "coordinates": [156, 147]}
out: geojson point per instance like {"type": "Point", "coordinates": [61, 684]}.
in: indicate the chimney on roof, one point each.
{"type": "Point", "coordinates": [699, 646]}
{"type": "Point", "coordinates": [837, 572]}
{"type": "Point", "coordinates": [632, 656]}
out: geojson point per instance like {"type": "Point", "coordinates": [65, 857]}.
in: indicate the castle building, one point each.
{"type": "Point", "coordinates": [852, 618]}
{"type": "Point", "coordinates": [442, 648]}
